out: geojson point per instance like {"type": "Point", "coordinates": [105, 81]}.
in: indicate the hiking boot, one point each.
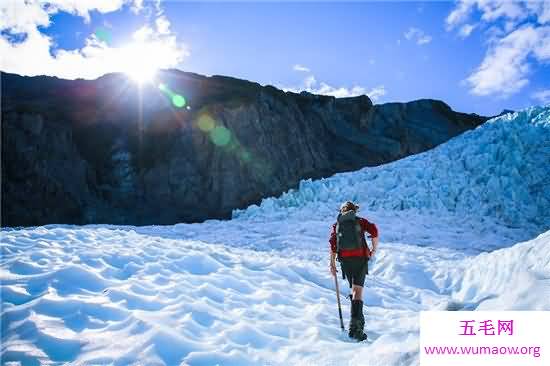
{"type": "Point", "coordinates": [352, 329]}
{"type": "Point", "coordinates": [353, 320]}
{"type": "Point", "coordinates": [359, 333]}
{"type": "Point", "coordinates": [357, 322]}
{"type": "Point", "coordinates": [360, 336]}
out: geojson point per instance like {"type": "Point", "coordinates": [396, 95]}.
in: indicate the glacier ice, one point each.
{"type": "Point", "coordinates": [499, 170]}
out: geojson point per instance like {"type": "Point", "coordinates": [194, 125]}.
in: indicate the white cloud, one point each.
{"type": "Point", "coordinates": [541, 9]}
{"type": "Point", "coordinates": [505, 67]}
{"type": "Point", "coordinates": [153, 47]}
{"type": "Point", "coordinates": [424, 40]}
{"type": "Point", "coordinates": [519, 40]}
{"type": "Point", "coordinates": [341, 92]}
{"type": "Point", "coordinates": [490, 10]}
{"type": "Point", "coordinates": [311, 85]}
{"type": "Point", "coordinates": [466, 30]}
{"type": "Point", "coordinates": [143, 33]}
{"type": "Point", "coordinates": [493, 10]}
{"type": "Point", "coordinates": [418, 36]}
{"type": "Point", "coordinates": [163, 25]}
{"type": "Point", "coordinates": [459, 14]}
{"type": "Point", "coordinates": [82, 8]}
{"type": "Point", "coordinates": [301, 68]}
{"type": "Point", "coordinates": [543, 96]}
{"type": "Point", "coordinates": [376, 93]}
{"type": "Point", "coordinates": [137, 6]}
{"type": "Point", "coordinates": [541, 51]}
{"type": "Point", "coordinates": [21, 17]}
{"type": "Point", "coordinates": [309, 82]}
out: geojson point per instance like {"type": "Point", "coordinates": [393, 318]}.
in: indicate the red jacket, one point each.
{"type": "Point", "coordinates": [366, 226]}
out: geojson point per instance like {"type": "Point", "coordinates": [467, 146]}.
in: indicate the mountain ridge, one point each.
{"type": "Point", "coordinates": [109, 151]}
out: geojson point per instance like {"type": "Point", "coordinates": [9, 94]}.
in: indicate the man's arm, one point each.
{"type": "Point", "coordinates": [332, 242]}
{"type": "Point", "coordinates": [333, 269]}
{"type": "Point", "coordinates": [374, 245]}
{"type": "Point", "coordinates": [371, 228]}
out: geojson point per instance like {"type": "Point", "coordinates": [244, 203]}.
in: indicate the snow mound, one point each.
{"type": "Point", "coordinates": [498, 170]}
{"type": "Point", "coordinates": [125, 296]}
{"type": "Point", "coordinates": [99, 295]}
{"type": "Point", "coordinates": [515, 278]}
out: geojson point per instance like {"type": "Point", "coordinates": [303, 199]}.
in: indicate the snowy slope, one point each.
{"type": "Point", "coordinates": [256, 289]}
{"type": "Point", "coordinates": [104, 295]}
{"type": "Point", "coordinates": [111, 295]}
{"type": "Point", "coordinates": [499, 170]}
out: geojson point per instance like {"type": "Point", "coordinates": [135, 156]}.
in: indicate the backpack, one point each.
{"type": "Point", "coordinates": [348, 232]}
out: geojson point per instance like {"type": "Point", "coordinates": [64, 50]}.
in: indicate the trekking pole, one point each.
{"type": "Point", "coordinates": [338, 300]}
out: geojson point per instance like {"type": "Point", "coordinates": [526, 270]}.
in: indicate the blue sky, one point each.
{"type": "Point", "coordinates": [476, 57]}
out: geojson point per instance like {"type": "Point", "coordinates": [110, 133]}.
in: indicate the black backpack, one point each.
{"type": "Point", "coordinates": [348, 232]}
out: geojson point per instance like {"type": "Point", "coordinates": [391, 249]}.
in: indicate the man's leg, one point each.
{"type": "Point", "coordinates": [349, 271]}
{"type": "Point", "coordinates": [357, 331]}
{"type": "Point", "coordinates": [358, 319]}
{"type": "Point", "coordinates": [357, 292]}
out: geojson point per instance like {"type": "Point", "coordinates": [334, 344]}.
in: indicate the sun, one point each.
{"type": "Point", "coordinates": [141, 73]}
{"type": "Point", "coordinates": [139, 62]}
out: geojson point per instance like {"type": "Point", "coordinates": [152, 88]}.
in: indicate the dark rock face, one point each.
{"type": "Point", "coordinates": [108, 151]}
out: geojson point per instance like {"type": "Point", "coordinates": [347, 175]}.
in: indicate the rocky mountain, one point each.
{"type": "Point", "coordinates": [188, 147]}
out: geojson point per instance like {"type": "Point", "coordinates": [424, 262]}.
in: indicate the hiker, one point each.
{"type": "Point", "coordinates": [348, 244]}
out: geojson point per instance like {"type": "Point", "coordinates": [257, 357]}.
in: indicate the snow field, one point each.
{"type": "Point", "coordinates": [115, 296]}
{"type": "Point", "coordinates": [516, 278]}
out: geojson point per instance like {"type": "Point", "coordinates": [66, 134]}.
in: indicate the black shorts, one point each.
{"type": "Point", "coordinates": [355, 269]}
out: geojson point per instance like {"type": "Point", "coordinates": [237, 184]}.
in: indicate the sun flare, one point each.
{"type": "Point", "coordinates": [140, 62]}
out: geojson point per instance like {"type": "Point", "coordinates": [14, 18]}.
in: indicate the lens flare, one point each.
{"type": "Point", "coordinates": [206, 123]}
{"type": "Point", "coordinates": [103, 34]}
{"type": "Point", "coordinates": [232, 146]}
{"type": "Point", "coordinates": [220, 136]}
{"type": "Point", "coordinates": [223, 138]}
{"type": "Point", "coordinates": [178, 101]}
{"type": "Point", "coordinates": [245, 156]}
